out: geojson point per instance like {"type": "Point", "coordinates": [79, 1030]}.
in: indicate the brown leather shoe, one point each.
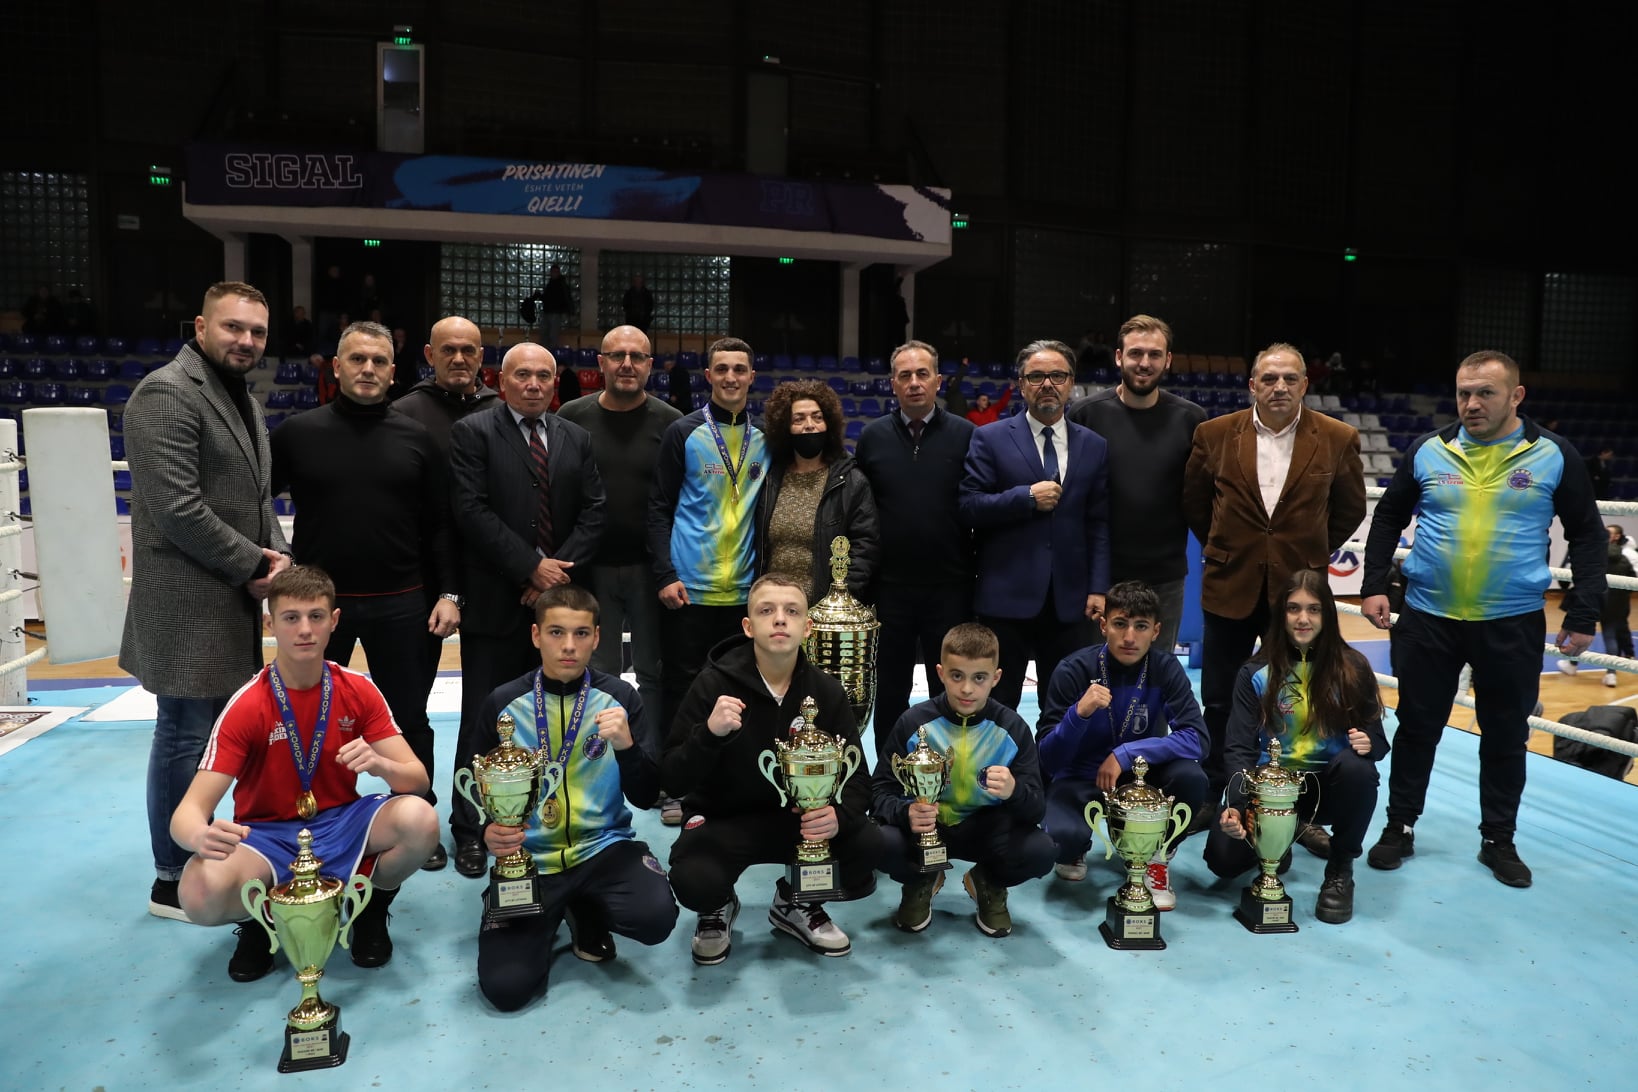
{"type": "Point", "coordinates": [1315, 840]}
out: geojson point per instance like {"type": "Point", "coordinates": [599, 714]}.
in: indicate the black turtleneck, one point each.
{"type": "Point", "coordinates": [371, 494]}
{"type": "Point", "coordinates": [237, 389]}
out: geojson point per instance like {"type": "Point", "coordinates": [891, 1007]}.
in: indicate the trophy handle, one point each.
{"type": "Point", "coordinates": [1094, 812]}
{"type": "Point", "coordinates": [850, 758]}
{"type": "Point", "coordinates": [1181, 814]}
{"type": "Point", "coordinates": [768, 762]}
{"type": "Point", "coordinates": [467, 786]}
{"type": "Point", "coordinates": [254, 896]}
{"type": "Point", "coordinates": [357, 895]}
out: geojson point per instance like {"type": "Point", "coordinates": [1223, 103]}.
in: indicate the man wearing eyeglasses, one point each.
{"type": "Point", "coordinates": [626, 425]}
{"type": "Point", "coordinates": [1035, 491]}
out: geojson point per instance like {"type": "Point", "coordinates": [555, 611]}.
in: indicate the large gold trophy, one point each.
{"type": "Point", "coordinates": [505, 786]}
{"type": "Point", "coordinates": [842, 637]}
{"type": "Point", "coordinates": [304, 914]}
{"type": "Point", "coordinates": [922, 774]}
{"type": "Point", "coordinates": [1271, 827]}
{"type": "Point", "coordinates": [810, 771]}
{"type": "Point", "coordinates": [1142, 821]}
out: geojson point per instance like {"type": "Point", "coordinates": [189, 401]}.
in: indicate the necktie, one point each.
{"type": "Point", "coordinates": [915, 432]}
{"type": "Point", "coordinates": [544, 539]}
{"type": "Point", "coordinates": [1049, 453]}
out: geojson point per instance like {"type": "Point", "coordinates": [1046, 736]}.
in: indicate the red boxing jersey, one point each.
{"type": "Point", "coordinates": [248, 744]}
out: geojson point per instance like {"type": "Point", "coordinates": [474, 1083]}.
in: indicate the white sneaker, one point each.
{"type": "Point", "coordinates": [714, 935]}
{"type": "Point", "coordinates": [1609, 678]}
{"type": "Point", "coordinates": [1567, 666]}
{"type": "Point", "coordinates": [1157, 880]}
{"type": "Point", "coordinates": [807, 923]}
{"type": "Point", "coordinates": [1073, 871]}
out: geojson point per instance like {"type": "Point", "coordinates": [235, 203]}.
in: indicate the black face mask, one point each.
{"type": "Point", "coordinates": [808, 445]}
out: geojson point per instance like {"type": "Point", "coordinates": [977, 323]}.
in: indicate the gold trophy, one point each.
{"type": "Point", "coordinates": [1138, 821]}
{"type": "Point", "coordinates": [505, 786]}
{"type": "Point", "coordinates": [842, 638]}
{"type": "Point", "coordinates": [810, 771]}
{"type": "Point", "coordinates": [305, 913]}
{"type": "Point", "coordinates": [923, 773]}
{"type": "Point", "coordinates": [1271, 827]}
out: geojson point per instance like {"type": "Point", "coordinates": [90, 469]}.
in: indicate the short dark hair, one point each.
{"type": "Point", "coordinates": [728, 345]}
{"type": "Point", "coordinates": [1484, 356]}
{"type": "Point", "coordinates": [368, 329]}
{"type": "Point", "coordinates": [970, 641]}
{"type": "Point", "coordinates": [1133, 598]}
{"type": "Point", "coordinates": [1144, 324]}
{"type": "Point", "coordinates": [776, 418]}
{"type": "Point", "coordinates": [1045, 346]}
{"type": "Point", "coordinates": [223, 289]}
{"type": "Point", "coordinates": [301, 582]}
{"type": "Point", "coordinates": [568, 597]}
{"type": "Point", "coordinates": [893, 358]}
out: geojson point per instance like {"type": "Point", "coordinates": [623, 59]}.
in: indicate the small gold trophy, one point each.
{"type": "Point", "coordinates": [1271, 827]}
{"type": "Point", "coordinates": [505, 785]}
{"type": "Point", "coordinates": [810, 771]}
{"type": "Point", "coordinates": [842, 637]}
{"type": "Point", "coordinates": [304, 912]}
{"type": "Point", "coordinates": [1142, 821]}
{"type": "Point", "coordinates": [923, 773]}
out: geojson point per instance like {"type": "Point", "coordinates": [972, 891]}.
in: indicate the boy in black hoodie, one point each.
{"type": "Point", "coordinates": [749, 695]}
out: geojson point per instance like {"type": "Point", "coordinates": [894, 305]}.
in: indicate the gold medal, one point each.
{"type": "Point", "coordinates": [549, 811]}
{"type": "Point", "coordinates": [306, 806]}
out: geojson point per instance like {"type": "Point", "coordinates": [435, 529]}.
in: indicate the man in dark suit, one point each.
{"type": "Point", "coordinates": [528, 508]}
{"type": "Point", "coordinates": [205, 545]}
{"type": "Point", "coordinates": [1035, 492]}
{"type": "Point", "coordinates": [1268, 490]}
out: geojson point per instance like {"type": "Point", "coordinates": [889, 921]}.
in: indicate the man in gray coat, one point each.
{"type": "Point", "coordinates": [204, 546]}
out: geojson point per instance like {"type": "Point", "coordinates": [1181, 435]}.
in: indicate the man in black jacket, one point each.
{"type": "Point", "coordinates": [372, 510]}
{"type": "Point", "coordinates": [528, 508]}
{"type": "Point", "coordinates": [750, 694]}
{"type": "Point", "coordinates": [914, 461]}
{"type": "Point", "coordinates": [455, 351]}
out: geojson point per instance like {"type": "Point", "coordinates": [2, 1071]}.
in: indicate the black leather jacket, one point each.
{"type": "Point", "coordinates": [847, 507]}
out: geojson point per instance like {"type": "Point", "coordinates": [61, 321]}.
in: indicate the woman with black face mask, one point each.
{"type": "Point", "coordinates": [814, 492]}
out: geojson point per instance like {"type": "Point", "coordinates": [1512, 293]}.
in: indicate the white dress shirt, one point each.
{"type": "Point", "coordinates": [1060, 442]}
{"type": "Point", "coordinates": [1273, 458]}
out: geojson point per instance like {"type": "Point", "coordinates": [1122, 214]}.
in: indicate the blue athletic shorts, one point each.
{"type": "Point", "coordinates": [339, 837]}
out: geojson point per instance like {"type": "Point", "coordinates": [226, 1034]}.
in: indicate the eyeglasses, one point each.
{"type": "Point", "coordinates": [620, 356]}
{"type": "Point", "coordinates": [1035, 379]}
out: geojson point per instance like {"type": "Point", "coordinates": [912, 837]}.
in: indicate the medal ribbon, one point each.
{"type": "Point", "coordinates": [722, 447]}
{"type": "Point", "coordinates": [543, 728]}
{"type": "Point", "coordinates": [306, 766]}
{"type": "Point", "coordinates": [1143, 679]}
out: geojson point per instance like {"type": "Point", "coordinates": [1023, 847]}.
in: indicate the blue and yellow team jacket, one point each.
{"type": "Point", "coordinates": [592, 814]}
{"type": "Point", "coordinates": [994, 736]}
{"type": "Point", "coordinates": [701, 518]}
{"type": "Point", "coordinates": [1482, 518]}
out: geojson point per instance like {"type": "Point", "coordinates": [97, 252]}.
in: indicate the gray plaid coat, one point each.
{"type": "Point", "coordinates": [200, 514]}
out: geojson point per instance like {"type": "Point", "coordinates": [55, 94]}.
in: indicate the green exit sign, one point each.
{"type": "Point", "coordinates": [159, 176]}
{"type": "Point", "coordinates": [959, 220]}
{"type": "Point", "coordinates": [787, 261]}
{"type": "Point", "coordinates": [372, 242]}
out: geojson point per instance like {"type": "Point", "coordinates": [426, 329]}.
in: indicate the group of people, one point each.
{"type": "Point", "coordinates": [1058, 535]}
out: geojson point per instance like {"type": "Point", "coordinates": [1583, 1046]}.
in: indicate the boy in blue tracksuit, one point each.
{"type": "Point", "coordinates": [1110, 704]}
{"type": "Point", "coordinates": [592, 868]}
{"type": "Point", "coordinates": [989, 811]}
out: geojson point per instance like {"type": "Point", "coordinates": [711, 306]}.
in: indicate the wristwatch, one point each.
{"type": "Point", "coordinates": [458, 600]}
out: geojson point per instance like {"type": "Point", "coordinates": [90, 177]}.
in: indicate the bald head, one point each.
{"type": "Point", "coordinates": [455, 351]}
{"type": "Point", "coordinates": [528, 378]}
{"type": "Point", "coordinates": [626, 361]}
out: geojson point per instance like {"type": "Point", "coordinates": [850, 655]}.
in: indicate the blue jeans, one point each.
{"type": "Point", "coordinates": [180, 732]}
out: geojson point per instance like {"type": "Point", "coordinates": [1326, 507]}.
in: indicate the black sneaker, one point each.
{"type": "Point", "coordinates": [253, 956]}
{"type": "Point", "coordinates": [1503, 861]}
{"type": "Point", "coordinates": [371, 944]}
{"type": "Point", "coordinates": [437, 860]}
{"type": "Point", "coordinates": [164, 903]}
{"type": "Point", "coordinates": [1397, 842]}
{"type": "Point", "coordinates": [589, 937]}
{"type": "Point", "coordinates": [1336, 894]}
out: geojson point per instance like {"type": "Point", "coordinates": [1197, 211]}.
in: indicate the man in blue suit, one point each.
{"type": "Point", "coordinates": [1035, 492]}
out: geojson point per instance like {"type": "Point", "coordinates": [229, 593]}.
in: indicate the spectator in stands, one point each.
{"type": "Point", "coordinates": [955, 401]}
{"type": "Point", "coordinates": [1092, 355]}
{"type": "Point", "coordinates": [638, 304]}
{"type": "Point", "coordinates": [568, 387]}
{"type": "Point", "coordinates": [679, 390]}
{"type": "Point", "coordinates": [1599, 469]}
{"type": "Point", "coordinates": [298, 339]}
{"type": "Point", "coordinates": [79, 314]}
{"type": "Point", "coordinates": [556, 304]}
{"type": "Point", "coordinates": [406, 375]}
{"type": "Point", "coordinates": [369, 297]}
{"type": "Point", "coordinates": [1267, 491]}
{"type": "Point", "coordinates": [42, 313]}
{"type": "Point", "coordinates": [1149, 432]}
{"type": "Point", "coordinates": [986, 411]}
{"type": "Point", "coordinates": [330, 298]}
{"type": "Point", "coordinates": [327, 386]}
{"type": "Point", "coordinates": [1622, 561]}
{"type": "Point", "coordinates": [814, 492]}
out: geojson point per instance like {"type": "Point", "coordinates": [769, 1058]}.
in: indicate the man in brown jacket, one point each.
{"type": "Point", "coordinates": [1267, 490]}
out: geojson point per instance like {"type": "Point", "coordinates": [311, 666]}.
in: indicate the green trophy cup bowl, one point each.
{"type": "Point", "coordinates": [505, 786]}
{"type": "Point", "coordinates": [1142, 821]}
{"type": "Point", "coordinates": [1271, 827]}
{"type": "Point", "coordinates": [304, 914]}
{"type": "Point", "coordinates": [923, 773]}
{"type": "Point", "coordinates": [810, 771]}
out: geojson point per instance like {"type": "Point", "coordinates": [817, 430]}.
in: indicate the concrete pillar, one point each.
{"type": "Point", "coordinates": [588, 294]}
{"type": "Point", "coordinates": [301, 272]}
{"type": "Point", "coordinates": [848, 334]}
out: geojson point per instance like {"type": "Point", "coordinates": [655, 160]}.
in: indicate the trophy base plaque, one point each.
{"type": "Point", "coordinates": [513, 898]}
{"type": "Point", "coordinates": [1131, 931]}
{"type": "Point", "coordinates": [930, 858]}
{"type": "Point", "coordinates": [321, 1048]}
{"type": "Point", "coordinates": [1265, 915]}
{"type": "Point", "coordinates": [813, 881]}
